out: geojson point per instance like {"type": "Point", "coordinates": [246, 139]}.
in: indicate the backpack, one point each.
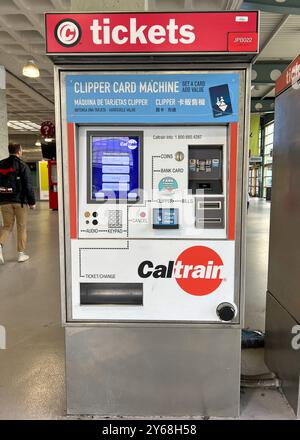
{"type": "Point", "coordinates": [10, 180]}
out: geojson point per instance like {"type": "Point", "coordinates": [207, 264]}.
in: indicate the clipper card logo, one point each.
{"type": "Point", "coordinates": [67, 33]}
{"type": "Point", "coordinates": [198, 270]}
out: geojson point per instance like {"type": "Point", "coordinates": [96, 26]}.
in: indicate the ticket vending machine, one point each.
{"type": "Point", "coordinates": [52, 176]}
{"type": "Point", "coordinates": [152, 130]}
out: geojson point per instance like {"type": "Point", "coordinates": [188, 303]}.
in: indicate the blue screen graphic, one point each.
{"type": "Point", "coordinates": [115, 168]}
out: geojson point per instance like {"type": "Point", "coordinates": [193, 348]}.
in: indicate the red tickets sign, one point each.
{"type": "Point", "coordinates": [290, 76]}
{"type": "Point", "coordinates": [116, 33]}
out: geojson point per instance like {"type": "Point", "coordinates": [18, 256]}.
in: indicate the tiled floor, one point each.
{"type": "Point", "coordinates": [32, 366]}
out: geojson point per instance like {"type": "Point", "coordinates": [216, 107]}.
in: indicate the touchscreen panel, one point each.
{"type": "Point", "coordinates": [114, 165]}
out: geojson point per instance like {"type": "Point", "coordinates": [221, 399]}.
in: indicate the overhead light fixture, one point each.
{"type": "Point", "coordinates": [38, 143]}
{"type": "Point", "coordinates": [31, 70]}
{"type": "Point", "coordinates": [280, 1]}
{"type": "Point", "coordinates": [23, 125]}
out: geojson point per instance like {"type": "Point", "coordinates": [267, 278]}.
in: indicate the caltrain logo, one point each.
{"type": "Point", "coordinates": [67, 32]}
{"type": "Point", "coordinates": [198, 270]}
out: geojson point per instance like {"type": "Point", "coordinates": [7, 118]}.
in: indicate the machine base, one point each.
{"type": "Point", "coordinates": [280, 356]}
{"type": "Point", "coordinates": [152, 371]}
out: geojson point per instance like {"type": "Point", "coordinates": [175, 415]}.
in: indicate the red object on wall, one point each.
{"type": "Point", "coordinates": [52, 176]}
{"type": "Point", "coordinates": [48, 129]}
{"type": "Point", "coordinates": [166, 32]}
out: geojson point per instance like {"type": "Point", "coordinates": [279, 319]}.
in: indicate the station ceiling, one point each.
{"type": "Point", "coordinates": [22, 39]}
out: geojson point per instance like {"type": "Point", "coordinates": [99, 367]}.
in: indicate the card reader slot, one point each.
{"type": "Point", "coordinates": [209, 205]}
{"type": "Point", "coordinates": [111, 294]}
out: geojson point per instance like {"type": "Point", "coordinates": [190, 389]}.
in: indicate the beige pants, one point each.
{"type": "Point", "coordinates": [10, 213]}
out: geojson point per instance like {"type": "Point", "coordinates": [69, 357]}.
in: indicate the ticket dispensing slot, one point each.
{"type": "Point", "coordinates": [206, 181]}
{"type": "Point", "coordinates": [111, 294]}
{"type": "Point", "coordinates": [205, 169]}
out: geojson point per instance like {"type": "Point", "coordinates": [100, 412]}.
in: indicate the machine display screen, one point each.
{"type": "Point", "coordinates": [114, 161]}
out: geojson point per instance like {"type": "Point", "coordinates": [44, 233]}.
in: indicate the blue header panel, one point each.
{"type": "Point", "coordinates": [153, 98]}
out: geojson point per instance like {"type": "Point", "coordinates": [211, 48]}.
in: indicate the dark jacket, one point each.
{"type": "Point", "coordinates": [26, 193]}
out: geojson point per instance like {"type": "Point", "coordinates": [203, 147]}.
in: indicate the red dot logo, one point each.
{"type": "Point", "coordinates": [67, 33]}
{"type": "Point", "coordinates": [199, 270]}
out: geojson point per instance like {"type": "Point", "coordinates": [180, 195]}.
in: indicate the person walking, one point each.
{"type": "Point", "coordinates": [16, 194]}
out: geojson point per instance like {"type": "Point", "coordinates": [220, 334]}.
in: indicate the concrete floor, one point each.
{"type": "Point", "coordinates": [32, 366]}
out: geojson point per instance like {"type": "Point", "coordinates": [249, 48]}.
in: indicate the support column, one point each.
{"type": "Point", "coordinates": [3, 116]}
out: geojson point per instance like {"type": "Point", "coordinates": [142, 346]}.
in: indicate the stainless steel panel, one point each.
{"type": "Point", "coordinates": [284, 254]}
{"type": "Point", "coordinates": [279, 354]}
{"type": "Point", "coordinates": [153, 371]}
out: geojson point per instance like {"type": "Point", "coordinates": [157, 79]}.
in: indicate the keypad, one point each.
{"type": "Point", "coordinates": [115, 218]}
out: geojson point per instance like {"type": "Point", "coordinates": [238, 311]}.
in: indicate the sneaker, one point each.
{"type": "Point", "coordinates": [1, 255]}
{"type": "Point", "coordinates": [22, 257]}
